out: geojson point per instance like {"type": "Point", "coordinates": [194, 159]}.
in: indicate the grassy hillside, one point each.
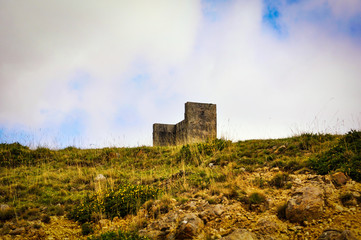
{"type": "Point", "coordinates": [37, 184]}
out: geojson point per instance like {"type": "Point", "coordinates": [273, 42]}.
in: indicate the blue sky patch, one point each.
{"type": "Point", "coordinates": [354, 27]}
{"type": "Point", "coordinates": [140, 79]}
{"type": "Point", "coordinates": [79, 80]}
{"type": "Point", "coordinates": [127, 116]}
{"type": "Point", "coordinates": [212, 9]}
{"type": "Point", "coordinates": [292, 1]}
{"type": "Point", "coordinates": [73, 124]}
{"type": "Point", "coordinates": [271, 17]}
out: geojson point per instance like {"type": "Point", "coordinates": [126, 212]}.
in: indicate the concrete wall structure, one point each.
{"type": "Point", "coordinates": [199, 124]}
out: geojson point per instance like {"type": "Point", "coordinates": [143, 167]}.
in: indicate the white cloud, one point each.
{"type": "Point", "coordinates": [265, 84]}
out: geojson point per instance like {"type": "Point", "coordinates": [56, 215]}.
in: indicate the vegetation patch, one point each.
{"type": "Point", "coordinates": [345, 157]}
{"type": "Point", "coordinates": [280, 180]}
{"type": "Point", "coordinates": [87, 228]}
{"type": "Point", "coordinates": [120, 235]}
{"type": "Point", "coordinates": [127, 199]}
{"type": "Point", "coordinates": [281, 211]}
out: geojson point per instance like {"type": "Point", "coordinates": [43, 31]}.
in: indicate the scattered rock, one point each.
{"type": "Point", "coordinates": [338, 208]}
{"type": "Point", "coordinates": [339, 179]}
{"type": "Point", "coordinates": [240, 234]}
{"type": "Point", "coordinates": [306, 204]}
{"type": "Point", "coordinates": [100, 177]}
{"type": "Point", "coordinates": [332, 234]}
{"type": "Point", "coordinates": [211, 212]}
{"type": "Point", "coordinates": [104, 223]}
{"type": "Point", "coordinates": [4, 207]}
{"type": "Point", "coordinates": [17, 231]}
{"type": "Point", "coordinates": [189, 227]}
{"type": "Point", "coordinates": [268, 224]}
{"type": "Point", "coordinates": [155, 234]}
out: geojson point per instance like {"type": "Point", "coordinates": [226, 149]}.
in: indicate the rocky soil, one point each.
{"type": "Point", "coordinates": [312, 207]}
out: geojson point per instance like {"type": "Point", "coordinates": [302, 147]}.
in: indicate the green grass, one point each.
{"type": "Point", "coordinates": [44, 182]}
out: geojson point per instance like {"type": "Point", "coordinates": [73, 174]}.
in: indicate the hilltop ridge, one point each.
{"type": "Point", "coordinates": [292, 188]}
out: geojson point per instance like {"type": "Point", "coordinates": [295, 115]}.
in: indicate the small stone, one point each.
{"type": "Point", "coordinates": [339, 208]}
{"type": "Point", "coordinates": [4, 207]}
{"type": "Point", "coordinates": [189, 227]}
{"type": "Point", "coordinates": [339, 178]}
{"type": "Point", "coordinates": [17, 231]}
{"type": "Point", "coordinates": [100, 177]}
{"type": "Point", "coordinates": [332, 234]}
{"type": "Point", "coordinates": [104, 223]}
{"type": "Point", "coordinates": [240, 234]}
{"type": "Point", "coordinates": [356, 194]}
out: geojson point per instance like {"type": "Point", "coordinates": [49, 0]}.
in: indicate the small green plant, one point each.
{"type": "Point", "coordinates": [45, 218]}
{"type": "Point", "coordinates": [120, 235]}
{"type": "Point", "coordinates": [281, 211]}
{"type": "Point", "coordinates": [185, 154]}
{"type": "Point", "coordinates": [36, 226]}
{"type": "Point", "coordinates": [259, 182]}
{"type": "Point", "coordinates": [32, 214]}
{"type": "Point", "coordinates": [86, 229]}
{"type": "Point", "coordinates": [210, 147]}
{"type": "Point", "coordinates": [256, 198]}
{"type": "Point", "coordinates": [280, 180]}
{"type": "Point", "coordinates": [200, 180]}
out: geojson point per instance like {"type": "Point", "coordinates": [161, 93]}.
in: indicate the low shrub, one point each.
{"type": "Point", "coordinates": [32, 214]}
{"type": "Point", "coordinates": [259, 182]}
{"type": "Point", "coordinates": [281, 211]}
{"type": "Point", "coordinates": [125, 200]}
{"type": "Point", "coordinates": [86, 229]}
{"type": "Point", "coordinates": [279, 180]}
{"type": "Point", "coordinates": [185, 154]}
{"type": "Point", "coordinates": [199, 180]}
{"type": "Point", "coordinates": [56, 210]}
{"type": "Point", "coordinates": [45, 218]}
{"type": "Point", "coordinates": [120, 235]}
{"type": "Point", "coordinates": [345, 156]}
{"type": "Point", "coordinates": [256, 198]}
{"type": "Point", "coordinates": [210, 147]}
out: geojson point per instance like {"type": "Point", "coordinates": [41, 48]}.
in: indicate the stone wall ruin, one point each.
{"type": "Point", "coordinates": [199, 124]}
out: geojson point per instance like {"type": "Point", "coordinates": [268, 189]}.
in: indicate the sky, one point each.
{"type": "Point", "coordinates": [100, 73]}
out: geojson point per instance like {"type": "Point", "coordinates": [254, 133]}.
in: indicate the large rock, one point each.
{"type": "Point", "coordinates": [332, 234]}
{"type": "Point", "coordinates": [241, 234]}
{"type": "Point", "coordinates": [211, 212]}
{"type": "Point", "coordinates": [306, 204]}
{"type": "Point", "coordinates": [189, 227]}
{"type": "Point", "coordinates": [269, 224]}
{"type": "Point", "coordinates": [339, 178]}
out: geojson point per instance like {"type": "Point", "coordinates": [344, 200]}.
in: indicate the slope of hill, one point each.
{"type": "Point", "coordinates": [293, 188]}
